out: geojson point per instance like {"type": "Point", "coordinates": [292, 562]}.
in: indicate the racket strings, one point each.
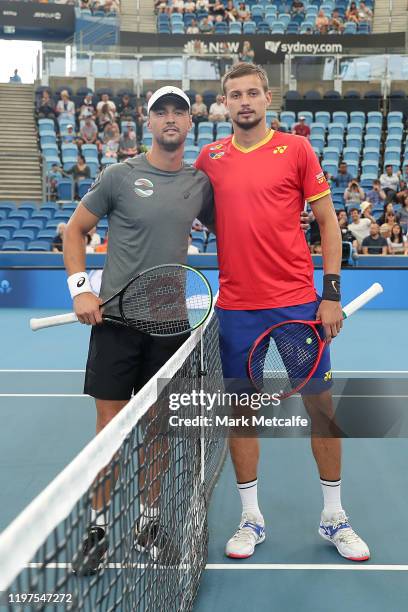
{"type": "Point", "coordinates": [166, 301]}
{"type": "Point", "coordinates": [284, 358]}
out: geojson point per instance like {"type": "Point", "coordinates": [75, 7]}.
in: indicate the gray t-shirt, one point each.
{"type": "Point", "coordinates": [150, 213]}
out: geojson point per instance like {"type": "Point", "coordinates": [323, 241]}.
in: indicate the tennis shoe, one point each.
{"type": "Point", "coordinates": [88, 561]}
{"type": "Point", "coordinates": [152, 538]}
{"type": "Point", "coordinates": [251, 531]}
{"type": "Point", "coordinates": [336, 529]}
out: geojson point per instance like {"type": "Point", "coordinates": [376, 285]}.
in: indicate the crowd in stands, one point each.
{"type": "Point", "coordinates": [98, 8]}
{"type": "Point", "coordinates": [263, 17]}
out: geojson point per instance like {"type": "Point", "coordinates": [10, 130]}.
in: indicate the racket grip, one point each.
{"type": "Point", "coordinates": [362, 299]}
{"type": "Point", "coordinates": [63, 319]}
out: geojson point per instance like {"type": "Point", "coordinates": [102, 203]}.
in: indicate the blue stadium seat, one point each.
{"type": "Point", "coordinates": [270, 114]}
{"type": "Point", "coordinates": [10, 224]}
{"type": "Point", "coordinates": [90, 151]}
{"type": "Point", "coordinates": [103, 223]}
{"type": "Point", "coordinates": [108, 161]}
{"type": "Point", "coordinates": [263, 28]}
{"type": "Point", "coordinates": [366, 180]}
{"type": "Point", "coordinates": [249, 27]}
{"type": "Point", "coordinates": [317, 144]}
{"type": "Point", "coordinates": [24, 234]}
{"type": "Point", "coordinates": [336, 129]}
{"type": "Point", "coordinates": [357, 117]}
{"type": "Point", "coordinates": [331, 154]}
{"type": "Point", "coordinates": [205, 127]}
{"type": "Point", "coordinates": [374, 118]}
{"type": "Point", "coordinates": [351, 155]}
{"type": "Point", "coordinates": [29, 206]}
{"type": "Point", "coordinates": [322, 117]}
{"type": "Point", "coordinates": [93, 167]}
{"type": "Point", "coordinates": [39, 245]}
{"type": "Point", "coordinates": [354, 141]}
{"type": "Point", "coordinates": [211, 247]}
{"type": "Point", "coordinates": [372, 142]}
{"type": "Point", "coordinates": [7, 206]}
{"type": "Point", "coordinates": [34, 224]}
{"type": "Point", "coordinates": [350, 27]}
{"type": "Point", "coordinates": [5, 234]}
{"type": "Point", "coordinates": [235, 27]}
{"type": "Point", "coordinates": [354, 129]}
{"type": "Point", "coordinates": [394, 117]}
{"type": "Point", "coordinates": [21, 215]}
{"type": "Point", "coordinates": [47, 138]}
{"type": "Point", "coordinates": [373, 129]}
{"type": "Point", "coordinates": [204, 140]}
{"type": "Point", "coordinates": [46, 234]}
{"type": "Point", "coordinates": [284, 18]}
{"type": "Point", "coordinates": [277, 28]}
{"type": "Point", "coordinates": [190, 154]}
{"type": "Point", "coordinates": [352, 167]}
{"type": "Point", "coordinates": [369, 167]}
{"type": "Point", "coordinates": [65, 189]}
{"type": "Point", "coordinates": [48, 123]}
{"type": "Point", "coordinates": [335, 141]}
{"type": "Point", "coordinates": [395, 129]}
{"type": "Point", "coordinates": [61, 217]}
{"type": "Point", "coordinates": [190, 139]}
{"type": "Point", "coordinates": [307, 115]}
{"type": "Point", "coordinates": [83, 187]}
{"type": "Point", "coordinates": [393, 142]}
{"type": "Point", "coordinates": [13, 245]}
{"type": "Point", "coordinates": [330, 167]}
{"type": "Point", "coordinates": [340, 117]}
{"type": "Point", "coordinates": [371, 154]}
{"type": "Point", "coordinates": [288, 117]}
{"type": "Point", "coordinates": [49, 206]}
{"type": "Point", "coordinates": [317, 130]}
{"type": "Point", "coordinates": [50, 149]}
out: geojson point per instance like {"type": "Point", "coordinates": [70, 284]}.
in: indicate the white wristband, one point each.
{"type": "Point", "coordinates": [79, 283]}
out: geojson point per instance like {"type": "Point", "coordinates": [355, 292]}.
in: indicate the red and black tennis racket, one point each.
{"type": "Point", "coordinates": [284, 358]}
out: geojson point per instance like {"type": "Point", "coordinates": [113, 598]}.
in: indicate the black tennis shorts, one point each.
{"type": "Point", "coordinates": [121, 360]}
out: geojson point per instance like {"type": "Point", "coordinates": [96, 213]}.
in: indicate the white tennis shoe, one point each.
{"type": "Point", "coordinates": [251, 531]}
{"type": "Point", "coordinates": [336, 529]}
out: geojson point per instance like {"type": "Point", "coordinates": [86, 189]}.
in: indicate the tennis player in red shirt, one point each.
{"type": "Point", "coordinates": [261, 180]}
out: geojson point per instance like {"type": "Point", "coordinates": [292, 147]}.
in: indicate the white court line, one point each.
{"type": "Point", "coordinates": [249, 566]}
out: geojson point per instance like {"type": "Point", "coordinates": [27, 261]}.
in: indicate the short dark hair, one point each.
{"type": "Point", "coordinates": [243, 69]}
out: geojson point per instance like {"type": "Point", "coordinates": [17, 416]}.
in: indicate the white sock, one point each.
{"type": "Point", "coordinates": [331, 496]}
{"type": "Point", "coordinates": [100, 518]}
{"type": "Point", "coordinates": [249, 496]}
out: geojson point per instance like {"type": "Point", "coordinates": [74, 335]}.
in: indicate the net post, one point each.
{"type": "Point", "coordinates": [202, 408]}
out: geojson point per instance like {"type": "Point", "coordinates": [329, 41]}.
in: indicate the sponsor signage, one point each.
{"type": "Point", "coordinates": [39, 21]}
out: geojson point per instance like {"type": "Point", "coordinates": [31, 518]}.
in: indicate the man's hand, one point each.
{"type": "Point", "coordinates": [86, 306]}
{"type": "Point", "coordinates": [304, 220]}
{"type": "Point", "coordinates": [331, 315]}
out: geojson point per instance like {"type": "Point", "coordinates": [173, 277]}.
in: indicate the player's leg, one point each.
{"type": "Point", "coordinates": [237, 332]}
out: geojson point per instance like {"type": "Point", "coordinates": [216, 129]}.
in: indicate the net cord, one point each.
{"type": "Point", "coordinates": [23, 537]}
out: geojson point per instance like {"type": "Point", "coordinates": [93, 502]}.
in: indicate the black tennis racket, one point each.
{"type": "Point", "coordinates": [167, 300]}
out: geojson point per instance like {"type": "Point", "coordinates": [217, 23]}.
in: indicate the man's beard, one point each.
{"type": "Point", "coordinates": [249, 125]}
{"type": "Point", "coordinates": [170, 146]}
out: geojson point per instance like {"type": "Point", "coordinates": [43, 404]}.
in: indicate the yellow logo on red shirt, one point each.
{"type": "Point", "coordinates": [320, 178]}
{"type": "Point", "coordinates": [280, 149]}
{"type": "Point", "coordinates": [216, 155]}
{"type": "Point", "coordinates": [216, 147]}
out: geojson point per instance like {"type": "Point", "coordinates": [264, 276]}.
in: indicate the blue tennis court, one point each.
{"type": "Point", "coordinates": [46, 422]}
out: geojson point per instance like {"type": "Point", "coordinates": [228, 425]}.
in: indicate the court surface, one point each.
{"type": "Point", "coordinates": [45, 422]}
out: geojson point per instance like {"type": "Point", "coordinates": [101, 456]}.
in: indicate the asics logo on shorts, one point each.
{"type": "Point", "coordinates": [147, 186]}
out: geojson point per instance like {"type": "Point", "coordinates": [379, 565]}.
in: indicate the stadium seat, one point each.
{"type": "Point", "coordinates": [357, 117]}
{"type": "Point", "coordinates": [34, 224]}
{"type": "Point", "coordinates": [354, 142]}
{"type": "Point", "coordinates": [204, 140]}
{"type": "Point", "coordinates": [108, 161]}
{"type": "Point", "coordinates": [340, 117]}
{"type": "Point", "coordinates": [24, 234]}
{"type": "Point", "coordinates": [336, 129]}
{"type": "Point", "coordinates": [39, 245]}
{"type": "Point", "coordinates": [49, 149]}
{"type": "Point", "coordinates": [5, 234]}
{"type": "Point", "coordinates": [83, 187]}
{"type": "Point", "coordinates": [372, 142]}
{"type": "Point", "coordinates": [354, 129]}
{"type": "Point", "coordinates": [46, 234]}
{"type": "Point", "coordinates": [307, 115]}
{"type": "Point", "coordinates": [211, 247]}
{"type": "Point", "coordinates": [190, 139]}
{"type": "Point", "coordinates": [7, 206]}
{"type": "Point", "coordinates": [263, 28]}
{"type": "Point", "coordinates": [10, 224]}
{"type": "Point", "coordinates": [330, 167]}
{"type": "Point", "coordinates": [369, 167]}
{"type": "Point", "coordinates": [317, 144]}
{"type": "Point", "coordinates": [270, 114]}
{"type": "Point", "coordinates": [65, 189]}
{"type": "Point", "coordinates": [322, 117]}
{"type": "Point", "coordinates": [374, 118]}
{"type": "Point", "coordinates": [235, 27]}
{"type": "Point", "coordinates": [371, 154]}
{"type": "Point", "coordinates": [366, 180]}
{"type": "Point", "coordinates": [13, 245]}
{"type": "Point", "coordinates": [288, 117]}
{"type": "Point", "coordinates": [395, 129]}
{"type": "Point", "coordinates": [277, 28]}
{"type": "Point", "coordinates": [331, 95]}
{"type": "Point", "coordinates": [249, 27]}
{"type": "Point", "coordinates": [205, 128]}
{"type": "Point", "coordinates": [21, 215]}
{"type": "Point", "coordinates": [335, 141]}
{"type": "Point", "coordinates": [331, 154]}
{"type": "Point", "coordinates": [352, 94]}
{"type": "Point", "coordinates": [373, 129]}
{"type": "Point", "coordinates": [350, 27]}
{"type": "Point", "coordinates": [93, 167]}
{"type": "Point", "coordinates": [313, 94]}
{"type": "Point", "coordinates": [393, 142]}
{"type": "Point", "coordinates": [190, 154]}
{"type": "Point", "coordinates": [373, 95]}
{"type": "Point", "coordinates": [48, 123]}
{"type": "Point", "coordinates": [351, 155]}
{"type": "Point", "coordinates": [90, 151]}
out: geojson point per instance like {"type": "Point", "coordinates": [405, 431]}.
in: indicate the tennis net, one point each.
{"type": "Point", "coordinates": [140, 463]}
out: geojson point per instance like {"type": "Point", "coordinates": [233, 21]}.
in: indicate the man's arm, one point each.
{"type": "Point", "coordinates": [330, 312]}
{"type": "Point", "coordinates": [86, 305]}
{"type": "Point", "coordinates": [365, 250]}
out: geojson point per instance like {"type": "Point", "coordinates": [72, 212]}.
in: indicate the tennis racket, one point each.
{"type": "Point", "coordinates": [284, 358]}
{"type": "Point", "coordinates": [167, 300]}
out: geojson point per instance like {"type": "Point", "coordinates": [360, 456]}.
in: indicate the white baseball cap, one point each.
{"type": "Point", "coordinates": [167, 91]}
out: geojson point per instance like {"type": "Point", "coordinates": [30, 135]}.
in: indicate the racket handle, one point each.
{"type": "Point", "coordinates": [63, 319]}
{"type": "Point", "coordinates": [362, 299]}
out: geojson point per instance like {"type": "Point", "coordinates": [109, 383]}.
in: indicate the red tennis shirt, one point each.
{"type": "Point", "coordinates": [264, 260]}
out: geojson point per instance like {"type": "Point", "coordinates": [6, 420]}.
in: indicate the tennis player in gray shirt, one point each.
{"type": "Point", "coordinates": [151, 202]}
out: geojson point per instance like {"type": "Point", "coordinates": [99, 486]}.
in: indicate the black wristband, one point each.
{"type": "Point", "coordinates": [331, 287]}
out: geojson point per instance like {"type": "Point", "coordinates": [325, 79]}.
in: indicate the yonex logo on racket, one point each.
{"type": "Point", "coordinates": [144, 193]}
{"type": "Point", "coordinates": [81, 281]}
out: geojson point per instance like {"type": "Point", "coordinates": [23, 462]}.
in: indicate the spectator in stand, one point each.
{"type": "Point", "coordinates": [79, 172]}
{"type": "Point", "coordinates": [352, 13]}
{"type": "Point", "coordinates": [374, 243]}
{"type": "Point", "coordinates": [364, 13]}
{"type": "Point", "coordinates": [298, 8]}
{"type": "Point", "coordinates": [353, 194]}
{"type": "Point", "coordinates": [105, 115]}
{"type": "Point", "coordinates": [205, 26]}
{"type": "Point", "coordinates": [199, 112]}
{"type": "Point", "coordinates": [242, 12]}
{"type": "Point", "coordinates": [403, 216]}
{"type": "Point", "coordinates": [105, 100]}
{"type": "Point", "coordinates": [177, 6]}
{"type": "Point", "coordinates": [218, 110]}
{"type": "Point", "coordinates": [103, 247]}
{"type": "Point", "coordinates": [401, 195]}
{"type": "Point", "coordinates": [125, 108]}
{"type": "Point", "coordinates": [58, 239]}
{"type": "Point", "coordinates": [69, 136]}
{"type": "Point", "coordinates": [388, 207]}
{"type": "Point", "coordinates": [397, 243]}
{"type": "Point", "coordinates": [127, 142]}
{"type": "Point", "coordinates": [231, 13]}
{"type": "Point", "coordinates": [336, 23]}
{"type": "Point", "coordinates": [16, 78]}
{"type": "Point", "coordinates": [192, 249]}
{"type": "Point", "coordinates": [343, 177]}
{"type": "Point", "coordinates": [322, 22]}
{"type": "Point", "coordinates": [53, 176]}
{"type": "Point", "coordinates": [111, 139]}
{"type": "Point", "coordinates": [315, 241]}
{"type": "Point", "coordinates": [390, 182]}
{"type": "Point", "coordinates": [87, 109]}
{"type": "Point", "coordinates": [202, 5]}
{"type": "Point", "coordinates": [95, 238]}
{"type": "Point", "coordinates": [88, 246]}
{"type": "Point", "coordinates": [359, 228]}
{"type": "Point", "coordinates": [140, 119]}
{"type": "Point", "coordinates": [147, 98]}
{"type": "Point", "coordinates": [376, 195]}
{"type": "Point", "coordinates": [45, 106]}
{"type": "Point", "coordinates": [218, 8]}
{"type": "Point", "coordinates": [346, 234]}
{"type": "Point", "coordinates": [88, 132]}
{"type": "Point", "coordinates": [385, 231]}
{"type": "Point", "coordinates": [390, 218]}
{"type": "Point", "coordinates": [65, 107]}
{"type": "Point", "coordinates": [193, 27]}
{"type": "Point", "coordinates": [247, 54]}
{"type": "Point", "coordinates": [367, 211]}
{"type": "Point", "coordinates": [301, 128]}
{"type": "Point", "coordinates": [189, 6]}
{"type": "Point", "coordinates": [275, 125]}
